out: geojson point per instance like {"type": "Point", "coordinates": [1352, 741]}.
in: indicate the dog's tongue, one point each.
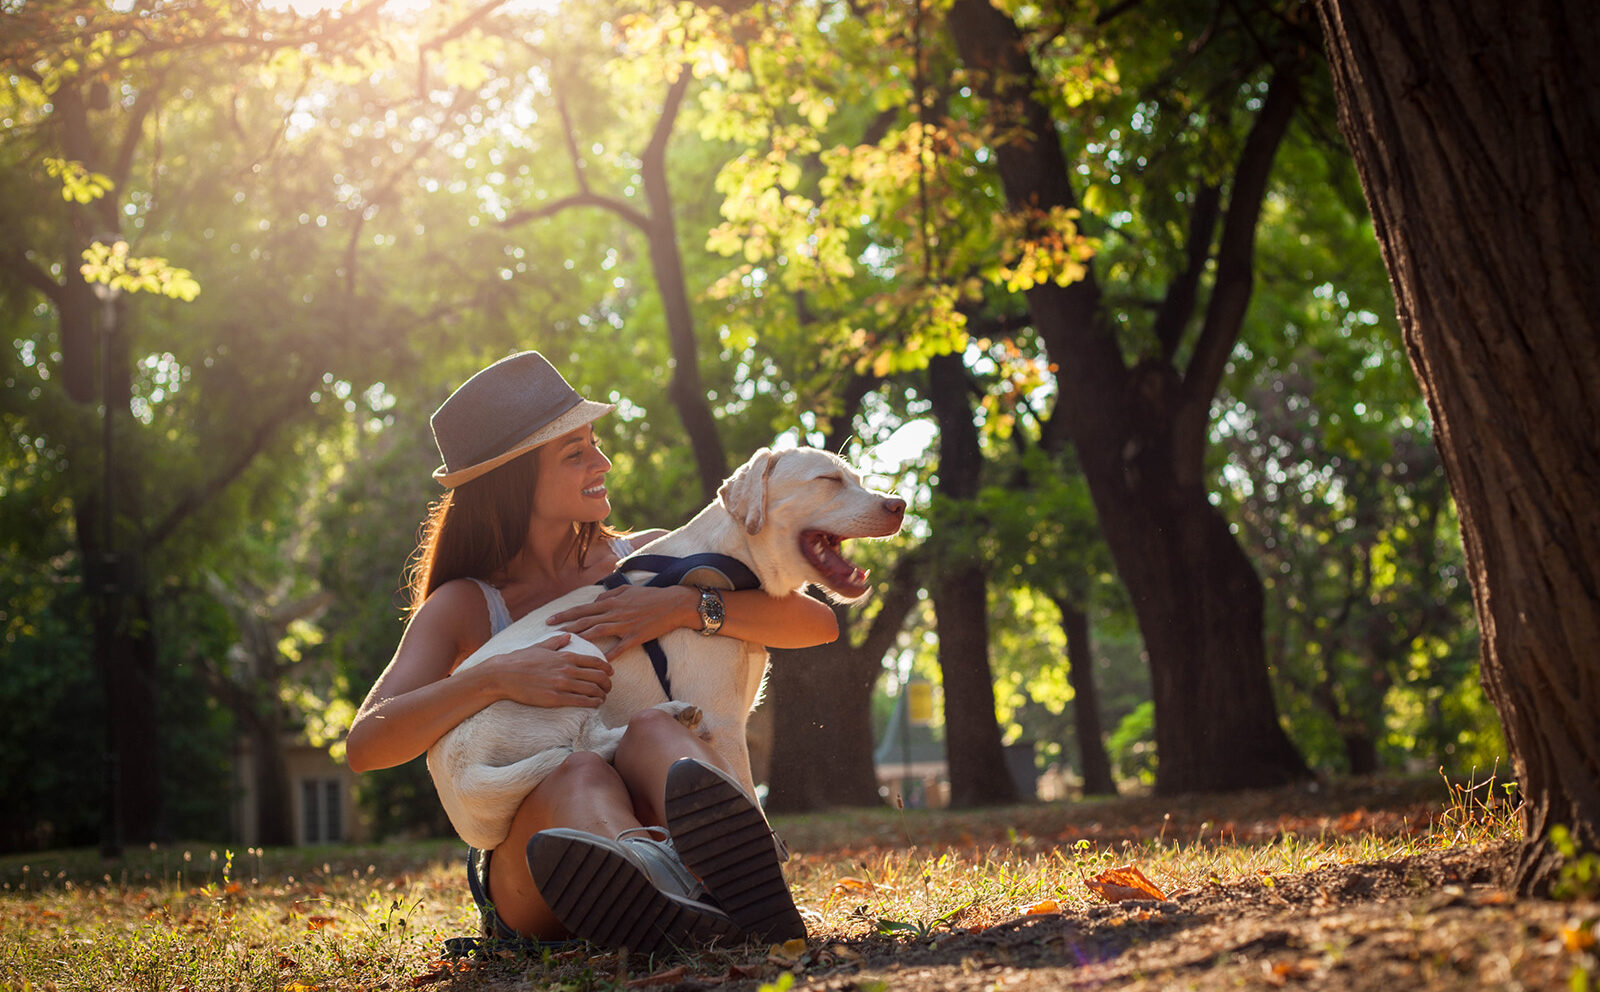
{"type": "Point", "coordinates": [822, 551]}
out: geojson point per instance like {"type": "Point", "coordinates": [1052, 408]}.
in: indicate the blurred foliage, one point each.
{"type": "Point", "coordinates": [340, 213]}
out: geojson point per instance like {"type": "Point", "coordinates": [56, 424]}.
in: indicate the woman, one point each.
{"type": "Point", "coordinates": [522, 524]}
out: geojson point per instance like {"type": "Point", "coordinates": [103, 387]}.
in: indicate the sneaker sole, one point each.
{"type": "Point", "coordinates": [723, 838]}
{"type": "Point", "coordinates": [602, 897]}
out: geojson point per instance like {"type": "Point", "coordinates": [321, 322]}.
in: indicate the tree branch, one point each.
{"type": "Point", "coordinates": [244, 453]}
{"type": "Point", "coordinates": [655, 152]}
{"type": "Point", "coordinates": [1177, 307]}
{"type": "Point", "coordinates": [618, 207]}
{"type": "Point", "coordinates": [31, 274]}
{"type": "Point", "coordinates": [1230, 294]}
{"type": "Point", "coordinates": [143, 104]}
{"type": "Point", "coordinates": [899, 595]}
{"type": "Point", "coordinates": [570, 134]}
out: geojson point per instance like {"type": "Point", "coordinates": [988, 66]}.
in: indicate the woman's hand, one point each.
{"type": "Point", "coordinates": [632, 614]}
{"type": "Point", "coordinates": [544, 675]}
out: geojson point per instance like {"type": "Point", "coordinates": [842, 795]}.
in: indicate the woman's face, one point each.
{"type": "Point", "coordinates": [571, 485]}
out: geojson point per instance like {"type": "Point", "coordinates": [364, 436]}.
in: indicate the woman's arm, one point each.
{"type": "Point", "coordinates": [635, 614]}
{"type": "Point", "coordinates": [416, 700]}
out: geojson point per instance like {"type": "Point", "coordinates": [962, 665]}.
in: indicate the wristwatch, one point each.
{"type": "Point", "coordinates": [711, 612]}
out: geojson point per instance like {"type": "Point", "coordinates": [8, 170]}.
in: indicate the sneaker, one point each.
{"type": "Point", "coordinates": [630, 892]}
{"type": "Point", "coordinates": [722, 836]}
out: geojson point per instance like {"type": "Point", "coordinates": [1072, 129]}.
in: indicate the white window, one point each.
{"type": "Point", "coordinates": [321, 811]}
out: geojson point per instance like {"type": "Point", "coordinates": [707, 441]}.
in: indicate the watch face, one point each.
{"type": "Point", "coordinates": [711, 612]}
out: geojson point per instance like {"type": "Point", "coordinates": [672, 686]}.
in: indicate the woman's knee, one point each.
{"type": "Point", "coordinates": [655, 726]}
{"type": "Point", "coordinates": [583, 770]}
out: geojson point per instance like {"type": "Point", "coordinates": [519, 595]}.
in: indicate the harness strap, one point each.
{"type": "Point", "coordinates": [672, 571]}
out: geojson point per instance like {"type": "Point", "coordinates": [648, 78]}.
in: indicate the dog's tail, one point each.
{"type": "Point", "coordinates": [481, 799]}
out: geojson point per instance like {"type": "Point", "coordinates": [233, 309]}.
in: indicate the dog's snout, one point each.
{"type": "Point", "coordinates": [894, 506]}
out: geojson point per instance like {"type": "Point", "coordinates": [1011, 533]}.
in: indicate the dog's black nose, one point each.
{"type": "Point", "coordinates": [895, 506]}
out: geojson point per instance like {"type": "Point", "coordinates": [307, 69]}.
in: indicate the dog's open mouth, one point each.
{"type": "Point", "coordinates": [838, 573]}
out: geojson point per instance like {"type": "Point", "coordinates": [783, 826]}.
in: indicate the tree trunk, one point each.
{"type": "Point", "coordinates": [1140, 435]}
{"type": "Point", "coordinates": [273, 802]}
{"type": "Point", "coordinates": [822, 725]}
{"type": "Point", "coordinates": [1200, 608]}
{"type": "Point", "coordinates": [1474, 127]}
{"type": "Point", "coordinates": [978, 775]}
{"type": "Point", "coordinates": [822, 756]}
{"type": "Point", "coordinates": [824, 694]}
{"type": "Point", "coordinates": [125, 654]}
{"type": "Point", "coordinates": [686, 390]}
{"type": "Point", "coordinates": [960, 594]}
{"type": "Point", "coordinates": [1096, 764]}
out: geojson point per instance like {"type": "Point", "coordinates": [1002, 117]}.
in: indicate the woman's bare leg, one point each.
{"type": "Point", "coordinates": [653, 741]}
{"type": "Point", "coordinates": [584, 793]}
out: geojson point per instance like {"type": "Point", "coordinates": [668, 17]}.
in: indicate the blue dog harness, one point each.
{"type": "Point", "coordinates": [672, 571]}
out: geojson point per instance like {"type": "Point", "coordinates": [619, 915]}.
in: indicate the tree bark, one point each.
{"type": "Point", "coordinates": [126, 657]}
{"type": "Point", "coordinates": [686, 390]}
{"type": "Point", "coordinates": [1476, 129]}
{"type": "Point", "coordinates": [822, 756]}
{"type": "Point", "coordinates": [822, 722]}
{"type": "Point", "coordinates": [1090, 736]}
{"type": "Point", "coordinates": [94, 339]}
{"type": "Point", "coordinates": [1140, 435]}
{"type": "Point", "coordinates": [960, 593]}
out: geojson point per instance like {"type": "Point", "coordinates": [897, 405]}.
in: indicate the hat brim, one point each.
{"type": "Point", "coordinates": [586, 412]}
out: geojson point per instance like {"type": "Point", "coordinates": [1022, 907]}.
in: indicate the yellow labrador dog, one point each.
{"type": "Point", "coordinates": [783, 514]}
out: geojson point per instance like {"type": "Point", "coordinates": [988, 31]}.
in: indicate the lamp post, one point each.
{"type": "Point", "coordinates": [106, 576]}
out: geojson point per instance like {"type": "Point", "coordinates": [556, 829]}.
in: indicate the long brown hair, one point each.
{"type": "Point", "coordinates": [475, 529]}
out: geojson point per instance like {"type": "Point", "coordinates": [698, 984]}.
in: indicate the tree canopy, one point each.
{"type": "Point", "coordinates": [1094, 287]}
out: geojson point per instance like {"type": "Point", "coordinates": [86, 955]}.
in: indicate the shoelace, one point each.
{"type": "Point", "coordinates": [649, 833]}
{"type": "Point", "coordinates": [653, 846]}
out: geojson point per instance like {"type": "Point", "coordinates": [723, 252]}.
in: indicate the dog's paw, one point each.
{"type": "Point", "coordinates": [687, 714]}
{"type": "Point", "coordinates": [691, 717]}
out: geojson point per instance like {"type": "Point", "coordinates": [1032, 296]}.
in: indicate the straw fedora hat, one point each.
{"type": "Point", "coordinates": [503, 411]}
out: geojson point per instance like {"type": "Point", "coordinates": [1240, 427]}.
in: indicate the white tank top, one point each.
{"type": "Point", "coordinates": [500, 616]}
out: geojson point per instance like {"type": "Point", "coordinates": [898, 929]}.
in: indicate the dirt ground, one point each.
{"type": "Point", "coordinates": [1438, 919]}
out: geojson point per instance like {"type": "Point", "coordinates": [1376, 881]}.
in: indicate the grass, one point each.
{"type": "Point", "coordinates": [195, 917]}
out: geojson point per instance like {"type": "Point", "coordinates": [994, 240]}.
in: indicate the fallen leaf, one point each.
{"type": "Point", "coordinates": [1577, 938]}
{"type": "Point", "coordinates": [787, 953]}
{"type": "Point", "coordinates": [660, 977]}
{"type": "Point", "coordinates": [1122, 884]}
{"type": "Point", "coordinates": [318, 922]}
{"type": "Point", "coordinates": [854, 885]}
{"type": "Point", "coordinates": [1046, 906]}
{"type": "Point", "coordinates": [1277, 973]}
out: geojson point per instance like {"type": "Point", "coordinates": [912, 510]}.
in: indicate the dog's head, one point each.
{"type": "Point", "coordinates": [798, 506]}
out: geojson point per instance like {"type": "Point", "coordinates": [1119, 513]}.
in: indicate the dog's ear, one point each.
{"type": "Point", "coordinates": [744, 494]}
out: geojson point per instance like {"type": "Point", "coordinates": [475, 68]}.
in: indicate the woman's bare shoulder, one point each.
{"type": "Point", "coordinates": [455, 613]}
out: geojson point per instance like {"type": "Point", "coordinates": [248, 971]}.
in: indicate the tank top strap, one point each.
{"type": "Point", "coordinates": [499, 616]}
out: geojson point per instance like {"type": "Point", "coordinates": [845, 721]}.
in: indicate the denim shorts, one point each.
{"type": "Point", "coordinates": [494, 934]}
{"type": "Point", "coordinates": [492, 927]}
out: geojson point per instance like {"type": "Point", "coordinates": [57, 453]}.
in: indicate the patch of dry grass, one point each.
{"type": "Point", "coordinates": [191, 917]}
